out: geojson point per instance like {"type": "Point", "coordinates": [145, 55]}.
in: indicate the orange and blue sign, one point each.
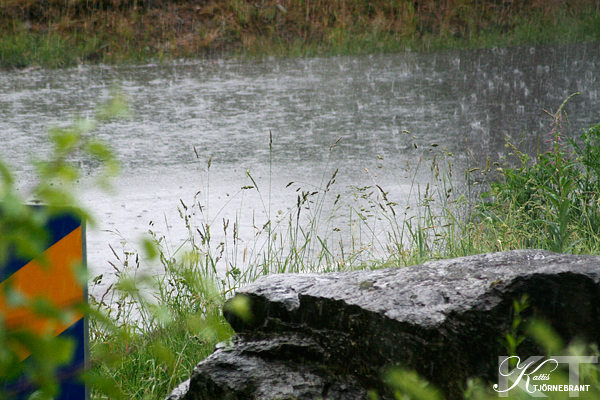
{"type": "Point", "coordinates": [53, 277]}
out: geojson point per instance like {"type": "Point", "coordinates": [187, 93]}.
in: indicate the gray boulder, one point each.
{"type": "Point", "coordinates": [332, 336]}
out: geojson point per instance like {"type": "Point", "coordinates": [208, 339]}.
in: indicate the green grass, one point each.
{"type": "Point", "coordinates": [163, 315]}
{"type": "Point", "coordinates": [156, 327]}
{"type": "Point", "coordinates": [180, 307]}
{"type": "Point", "coordinates": [23, 50]}
{"type": "Point", "coordinates": [550, 203]}
{"type": "Point", "coordinates": [55, 34]}
{"type": "Point", "coordinates": [151, 329]}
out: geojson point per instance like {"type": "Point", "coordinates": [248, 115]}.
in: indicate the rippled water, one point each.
{"type": "Point", "coordinates": [387, 110]}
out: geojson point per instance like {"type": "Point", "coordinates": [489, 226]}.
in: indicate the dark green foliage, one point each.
{"type": "Point", "coordinates": [552, 203]}
{"type": "Point", "coordinates": [23, 234]}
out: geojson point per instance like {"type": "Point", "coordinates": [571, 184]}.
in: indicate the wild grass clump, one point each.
{"type": "Point", "coordinates": [551, 202]}
{"type": "Point", "coordinates": [163, 314]}
{"type": "Point", "coordinates": [39, 33]}
{"type": "Point", "coordinates": [150, 329]}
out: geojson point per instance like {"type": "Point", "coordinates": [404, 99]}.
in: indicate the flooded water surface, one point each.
{"type": "Point", "coordinates": [276, 121]}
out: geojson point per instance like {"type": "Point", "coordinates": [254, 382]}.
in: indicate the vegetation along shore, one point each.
{"type": "Point", "coordinates": [143, 345]}
{"type": "Point", "coordinates": [56, 33]}
{"type": "Point", "coordinates": [147, 332]}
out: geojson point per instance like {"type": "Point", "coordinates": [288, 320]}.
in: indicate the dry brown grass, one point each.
{"type": "Point", "coordinates": [117, 30]}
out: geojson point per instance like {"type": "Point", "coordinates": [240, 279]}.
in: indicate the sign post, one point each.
{"type": "Point", "coordinates": [54, 279]}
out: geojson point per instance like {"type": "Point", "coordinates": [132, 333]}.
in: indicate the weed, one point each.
{"type": "Point", "coordinates": [177, 293]}
{"type": "Point", "coordinates": [58, 34]}
{"type": "Point", "coordinates": [550, 203]}
{"type": "Point", "coordinates": [23, 234]}
{"type": "Point", "coordinates": [168, 299]}
{"type": "Point", "coordinates": [514, 337]}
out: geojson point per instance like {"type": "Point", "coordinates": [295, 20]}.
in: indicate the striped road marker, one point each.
{"type": "Point", "coordinates": [55, 280]}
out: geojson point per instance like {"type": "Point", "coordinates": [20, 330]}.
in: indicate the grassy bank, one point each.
{"type": "Point", "coordinates": [160, 325]}
{"type": "Point", "coordinates": [55, 33]}
{"type": "Point", "coordinates": [163, 315]}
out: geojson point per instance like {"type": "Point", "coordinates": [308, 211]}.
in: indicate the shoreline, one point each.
{"type": "Point", "coordinates": [51, 35]}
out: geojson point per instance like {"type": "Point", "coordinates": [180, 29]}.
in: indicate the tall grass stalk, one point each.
{"type": "Point", "coordinates": [550, 202]}
{"type": "Point", "coordinates": [165, 293]}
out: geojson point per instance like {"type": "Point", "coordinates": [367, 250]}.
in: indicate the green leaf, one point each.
{"type": "Point", "coordinates": [546, 336]}
{"type": "Point", "coordinates": [99, 150]}
{"type": "Point", "coordinates": [510, 340]}
{"type": "Point", "coordinates": [150, 248]}
{"type": "Point", "coordinates": [241, 306]}
{"type": "Point", "coordinates": [409, 382]}
{"type": "Point", "coordinates": [64, 140]}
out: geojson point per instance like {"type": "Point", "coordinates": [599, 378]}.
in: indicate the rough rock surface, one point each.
{"type": "Point", "coordinates": [331, 336]}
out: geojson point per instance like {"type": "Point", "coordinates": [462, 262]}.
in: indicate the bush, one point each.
{"type": "Point", "coordinates": [23, 235]}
